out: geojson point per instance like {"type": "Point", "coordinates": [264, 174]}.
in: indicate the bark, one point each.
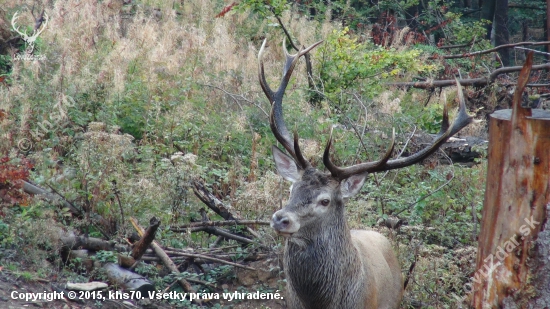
{"type": "Point", "coordinates": [482, 81]}
{"type": "Point", "coordinates": [128, 280]}
{"type": "Point", "coordinates": [512, 261]}
{"type": "Point", "coordinates": [502, 37]}
{"type": "Point", "coordinates": [217, 206]}
{"type": "Point", "coordinates": [488, 12]}
{"type": "Point", "coordinates": [481, 52]}
{"type": "Point", "coordinates": [146, 239]}
{"type": "Point", "coordinates": [547, 28]}
{"type": "Point", "coordinates": [208, 258]}
{"type": "Point", "coordinates": [165, 260]}
{"type": "Point", "coordinates": [218, 223]}
{"type": "Point", "coordinates": [220, 232]}
{"type": "Point", "coordinates": [90, 243]}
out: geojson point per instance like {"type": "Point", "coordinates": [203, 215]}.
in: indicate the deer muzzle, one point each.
{"type": "Point", "coordinates": [284, 223]}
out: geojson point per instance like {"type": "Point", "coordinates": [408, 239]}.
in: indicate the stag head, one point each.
{"type": "Point", "coordinates": [317, 198]}
{"type": "Point", "coordinates": [40, 25]}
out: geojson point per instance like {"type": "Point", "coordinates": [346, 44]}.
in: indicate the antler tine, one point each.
{"type": "Point", "coordinates": [290, 63]}
{"type": "Point", "coordinates": [462, 120]}
{"type": "Point", "coordinates": [343, 173]}
{"type": "Point", "coordinates": [41, 22]}
{"type": "Point", "coordinates": [16, 28]}
{"type": "Point", "coordinates": [278, 127]}
{"type": "Point", "coordinates": [301, 160]}
{"type": "Point", "coordinates": [445, 120]}
{"type": "Point", "coordinates": [261, 75]}
{"type": "Point", "coordinates": [277, 122]}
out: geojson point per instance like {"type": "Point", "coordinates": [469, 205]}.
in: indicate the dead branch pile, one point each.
{"type": "Point", "coordinates": [81, 251]}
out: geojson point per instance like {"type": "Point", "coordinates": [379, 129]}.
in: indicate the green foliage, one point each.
{"type": "Point", "coordinates": [353, 13]}
{"type": "Point", "coordinates": [461, 32]}
{"type": "Point", "coordinates": [430, 118]}
{"type": "Point", "coordinates": [106, 256]}
{"type": "Point", "coordinates": [436, 198]}
{"type": "Point", "coordinates": [5, 236]}
{"type": "Point", "coordinates": [348, 64]}
{"type": "Point", "coordinates": [5, 65]}
{"type": "Point", "coordinates": [263, 8]}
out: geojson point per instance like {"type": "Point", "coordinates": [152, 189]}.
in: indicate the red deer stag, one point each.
{"type": "Point", "coordinates": [327, 265]}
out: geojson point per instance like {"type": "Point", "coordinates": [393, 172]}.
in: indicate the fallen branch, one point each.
{"type": "Point", "coordinates": [223, 233]}
{"type": "Point", "coordinates": [165, 260]}
{"type": "Point", "coordinates": [90, 243]}
{"type": "Point", "coordinates": [127, 279]}
{"type": "Point", "coordinates": [533, 50]}
{"type": "Point", "coordinates": [146, 239]}
{"type": "Point", "coordinates": [218, 223]}
{"type": "Point", "coordinates": [216, 205]}
{"type": "Point", "coordinates": [98, 221]}
{"type": "Point", "coordinates": [527, 7]}
{"type": "Point", "coordinates": [478, 82]}
{"type": "Point", "coordinates": [209, 258]}
{"type": "Point", "coordinates": [487, 51]}
{"type": "Point", "coordinates": [472, 42]}
{"type": "Point", "coordinates": [35, 190]}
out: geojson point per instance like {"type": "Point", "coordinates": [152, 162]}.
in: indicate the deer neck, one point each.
{"type": "Point", "coordinates": [319, 263]}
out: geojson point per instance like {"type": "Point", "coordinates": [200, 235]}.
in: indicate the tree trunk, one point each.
{"type": "Point", "coordinates": [547, 27]}
{"type": "Point", "coordinates": [513, 270]}
{"type": "Point", "coordinates": [488, 13]}
{"type": "Point", "coordinates": [502, 36]}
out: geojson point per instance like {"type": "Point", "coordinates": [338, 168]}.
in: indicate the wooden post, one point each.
{"type": "Point", "coordinates": [513, 266]}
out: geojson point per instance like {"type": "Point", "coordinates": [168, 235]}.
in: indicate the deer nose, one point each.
{"type": "Point", "coordinates": [280, 221]}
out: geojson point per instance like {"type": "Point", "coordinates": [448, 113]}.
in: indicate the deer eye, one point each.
{"type": "Point", "coordinates": [325, 202]}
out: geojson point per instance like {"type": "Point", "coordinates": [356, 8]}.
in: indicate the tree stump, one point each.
{"type": "Point", "coordinates": [513, 266]}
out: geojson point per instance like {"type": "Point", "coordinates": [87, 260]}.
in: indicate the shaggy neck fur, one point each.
{"type": "Point", "coordinates": [322, 266]}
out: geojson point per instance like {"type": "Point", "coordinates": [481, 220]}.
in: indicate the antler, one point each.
{"type": "Point", "coordinates": [13, 23]}
{"type": "Point", "coordinates": [40, 25]}
{"type": "Point", "coordinates": [384, 164]}
{"type": "Point", "coordinates": [276, 119]}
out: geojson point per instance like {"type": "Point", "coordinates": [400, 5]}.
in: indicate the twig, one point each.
{"type": "Point", "coordinates": [237, 98]}
{"type": "Point", "coordinates": [221, 232]}
{"type": "Point", "coordinates": [165, 260]}
{"type": "Point", "coordinates": [216, 205]}
{"type": "Point", "coordinates": [116, 192]}
{"type": "Point", "coordinates": [482, 81]}
{"type": "Point", "coordinates": [32, 189]}
{"type": "Point", "coordinates": [487, 51]}
{"type": "Point", "coordinates": [203, 283]}
{"type": "Point", "coordinates": [533, 50]}
{"type": "Point", "coordinates": [528, 7]}
{"type": "Point", "coordinates": [401, 152]}
{"type": "Point", "coordinates": [206, 257]}
{"type": "Point", "coordinates": [221, 223]}
{"type": "Point", "coordinates": [472, 42]}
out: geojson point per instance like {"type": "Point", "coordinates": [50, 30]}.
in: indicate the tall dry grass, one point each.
{"type": "Point", "coordinates": [98, 54]}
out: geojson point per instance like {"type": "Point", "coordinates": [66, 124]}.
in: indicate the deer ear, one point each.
{"type": "Point", "coordinates": [352, 185]}
{"type": "Point", "coordinates": [286, 166]}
